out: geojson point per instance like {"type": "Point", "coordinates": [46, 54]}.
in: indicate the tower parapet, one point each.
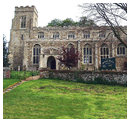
{"type": "Point", "coordinates": [26, 9]}
{"type": "Point", "coordinates": [24, 20]}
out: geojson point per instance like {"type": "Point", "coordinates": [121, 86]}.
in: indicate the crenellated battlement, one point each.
{"type": "Point", "coordinates": [26, 9]}
{"type": "Point", "coordinates": [25, 17]}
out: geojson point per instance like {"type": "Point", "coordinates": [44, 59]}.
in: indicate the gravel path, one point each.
{"type": "Point", "coordinates": [19, 83]}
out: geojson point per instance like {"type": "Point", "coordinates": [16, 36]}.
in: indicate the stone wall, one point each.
{"type": "Point", "coordinates": [6, 72]}
{"type": "Point", "coordinates": [110, 76]}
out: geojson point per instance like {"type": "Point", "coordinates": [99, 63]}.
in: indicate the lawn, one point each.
{"type": "Point", "coordinates": [8, 82]}
{"type": "Point", "coordinates": [23, 74]}
{"type": "Point", "coordinates": [58, 99]}
{"type": "Point", "coordinates": [16, 76]}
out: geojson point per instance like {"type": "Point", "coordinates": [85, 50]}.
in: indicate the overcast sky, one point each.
{"type": "Point", "coordinates": [47, 11]}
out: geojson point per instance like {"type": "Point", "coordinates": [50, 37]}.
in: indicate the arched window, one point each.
{"type": "Point", "coordinates": [121, 50]}
{"type": "Point", "coordinates": [71, 35]}
{"type": "Point", "coordinates": [87, 51]}
{"type": "Point", "coordinates": [40, 35]}
{"type": "Point", "coordinates": [104, 51]}
{"type": "Point", "coordinates": [56, 35]}
{"type": "Point", "coordinates": [36, 54]}
{"type": "Point", "coordinates": [86, 35]}
{"type": "Point", "coordinates": [23, 21]}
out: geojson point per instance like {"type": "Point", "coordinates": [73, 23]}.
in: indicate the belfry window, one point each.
{"type": "Point", "coordinates": [23, 22]}
{"type": "Point", "coordinates": [121, 50]}
{"type": "Point", "coordinates": [104, 51]}
{"type": "Point", "coordinates": [40, 35]}
{"type": "Point", "coordinates": [56, 35]}
{"type": "Point", "coordinates": [87, 51]}
{"type": "Point", "coordinates": [36, 54]}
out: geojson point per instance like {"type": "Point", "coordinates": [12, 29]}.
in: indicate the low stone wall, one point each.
{"type": "Point", "coordinates": [118, 77]}
{"type": "Point", "coordinates": [6, 72]}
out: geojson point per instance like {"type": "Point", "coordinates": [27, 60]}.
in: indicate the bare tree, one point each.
{"type": "Point", "coordinates": [109, 14]}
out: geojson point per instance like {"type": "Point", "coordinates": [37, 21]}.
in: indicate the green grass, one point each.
{"type": "Point", "coordinates": [23, 74]}
{"type": "Point", "coordinates": [16, 76]}
{"type": "Point", "coordinates": [58, 99]}
{"type": "Point", "coordinates": [8, 82]}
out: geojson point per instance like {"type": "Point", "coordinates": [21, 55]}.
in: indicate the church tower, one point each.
{"type": "Point", "coordinates": [24, 20]}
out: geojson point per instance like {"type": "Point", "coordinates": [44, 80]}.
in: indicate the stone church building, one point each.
{"type": "Point", "coordinates": [32, 47]}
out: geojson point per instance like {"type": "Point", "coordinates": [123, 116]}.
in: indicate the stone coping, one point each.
{"type": "Point", "coordinates": [84, 71]}
{"type": "Point", "coordinates": [6, 68]}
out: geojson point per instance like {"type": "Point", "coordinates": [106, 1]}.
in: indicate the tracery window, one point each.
{"type": "Point", "coordinates": [36, 54]}
{"type": "Point", "coordinates": [104, 51]}
{"type": "Point", "coordinates": [23, 22]}
{"type": "Point", "coordinates": [121, 50]}
{"type": "Point", "coordinates": [40, 35]}
{"type": "Point", "coordinates": [87, 51]}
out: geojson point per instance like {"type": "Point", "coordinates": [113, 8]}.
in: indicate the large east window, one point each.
{"type": "Point", "coordinates": [36, 54]}
{"type": "Point", "coordinates": [87, 51]}
{"type": "Point", "coordinates": [104, 51]}
{"type": "Point", "coordinates": [23, 22]}
{"type": "Point", "coordinates": [121, 50]}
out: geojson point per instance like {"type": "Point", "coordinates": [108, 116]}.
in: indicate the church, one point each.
{"type": "Point", "coordinates": [32, 47]}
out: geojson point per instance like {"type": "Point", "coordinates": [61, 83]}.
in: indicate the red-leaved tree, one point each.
{"type": "Point", "coordinates": [69, 57]}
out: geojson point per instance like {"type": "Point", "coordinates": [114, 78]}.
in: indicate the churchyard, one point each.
{"type": "Point", "coordinates": [62, 99]}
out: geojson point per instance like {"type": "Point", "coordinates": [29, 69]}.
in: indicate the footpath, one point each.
{"type": "Point", "coordinates": [19, 83]}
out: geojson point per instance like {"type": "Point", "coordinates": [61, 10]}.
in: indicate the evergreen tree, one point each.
{"type": "Point", "coordinates": [70, 22]}
{"type": "Point", "coordinates": [55, 22]}
{"type": "Point", "coordinates": [5, 53]}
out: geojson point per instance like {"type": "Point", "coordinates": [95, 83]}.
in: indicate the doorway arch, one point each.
{"type": "Point", "coordinates": [51, 62]}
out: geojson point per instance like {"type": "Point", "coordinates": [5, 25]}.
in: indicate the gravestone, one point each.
{"type": "Point", "coordinates": [18, 68]}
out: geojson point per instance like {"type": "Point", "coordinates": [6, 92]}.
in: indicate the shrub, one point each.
{"type": "Point", "coordinates": [22, 74]}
